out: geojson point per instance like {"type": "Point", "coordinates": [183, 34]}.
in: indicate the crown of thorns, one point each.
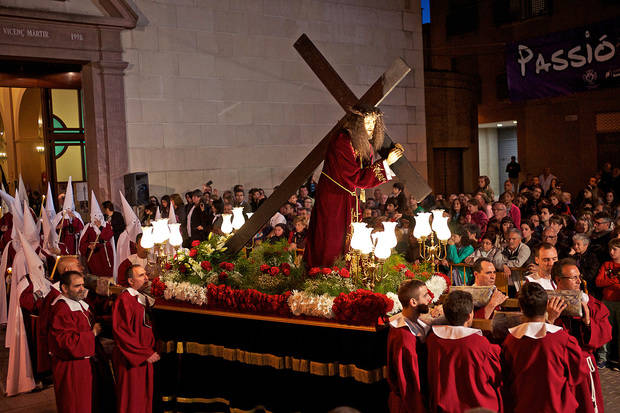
{"type": "Point", "coordinates": [371, 112]}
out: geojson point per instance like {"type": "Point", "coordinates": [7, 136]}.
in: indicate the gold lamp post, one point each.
{"type": "Point", "coordinates": [432, 239]}
{"type": "Point", "coordinates": [368, 252]}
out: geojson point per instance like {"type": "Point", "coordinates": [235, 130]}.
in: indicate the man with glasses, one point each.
{"type": "Point", "coordinates": [601, 236]}
{"type": "Point", "coordinates": [592, 330]}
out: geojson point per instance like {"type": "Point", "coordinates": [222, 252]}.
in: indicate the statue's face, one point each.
{"type": "Point", "coordinates": [369, 124]}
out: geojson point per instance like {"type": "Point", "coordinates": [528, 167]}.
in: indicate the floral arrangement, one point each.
{"type": "Point", "coordinates": [361, 307]}
{"type": "Point", "coordinates": [267, 281]}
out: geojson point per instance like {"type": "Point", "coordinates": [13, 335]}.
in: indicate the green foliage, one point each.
{"type": "Point", "coordinates": [332, 284]}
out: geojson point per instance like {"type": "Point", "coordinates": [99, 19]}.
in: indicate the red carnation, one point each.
{"type": "Point", "coordinates": [401, 266]}
{"type": "Point", "coordinates": [431, 294]}
{"type": "Point", "coordinates": [274, 271]}
{"type": "Point", "coordinates": [344, 273]}
{"type": "Point", "coordinates": [335, 269]}
{"type": "Point", "coordinates": [286, 272]}
{"type": "Point", "coordinates": [285, 266]}
{"type": "Point", "coordinates": [195, 243]}
{"type": "Point", "coordinates": [222, 276]}
{"type": "Point", "coordinates": [206, 265]}
{"type": "Point", "coordinates": [265, 268]}
{"type": "Point", "coordinates": [182, 269]}
{"type": "Point", "coordinates": [409, 274]}
{"type": "Point", "coordinates": [229, 266]}
{"type": "Point", "coordinates": [168, 266]}
{"type": "Point", "coordinates": [193, 253]}
{"type": "Point", "coordinates": [326, 270]}
{"type": "Point", "coordinates": [314, 271]}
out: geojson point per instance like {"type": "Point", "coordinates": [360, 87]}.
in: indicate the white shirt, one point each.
{"type": "Point", "coordinates": [545, 283]}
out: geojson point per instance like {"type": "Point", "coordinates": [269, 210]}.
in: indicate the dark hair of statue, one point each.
{"type": "Point", "coordinates": [354, 124]}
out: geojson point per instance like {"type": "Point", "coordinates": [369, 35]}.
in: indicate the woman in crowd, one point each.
{"type": "Point", "coordinates": [486, 249]}
{"type": "Point", "coordinates": [279, 233]}
{"type": "Point", "coordinates": [477, 216]}
{"type": "Point", "coordinates": [530, 238]}
{"type": "Point", "coordinates": [459, 248]}
{"type": "Point", "coordinates": [484, 186]}
{"type": "Point", "coordinates": [456, 211]}
{"type": "Point", "coordinates": [165, 206]}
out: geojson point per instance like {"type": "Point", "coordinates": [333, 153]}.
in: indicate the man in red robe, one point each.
{"type": "Point", "coordinates": [69, 230]}
{"type": "Point", "coordinates": [134, 353]}
{"type": "Point", "coordinates": [348, 166]}
{"type": "Point", "coordinates": [97, 239]}
{"type": "Point", "coordinates": [405, 342]}
{"type": "Point", "coordinates": [592, 330]}
{"type": "Point", "coordinates": [139, 258]}
{"type": "Point", "coordinates": [66, 263]}
{"type": "Point", "coordinates": [542, 364]}
{"type": "Point", "coordinates": [456, 352]}
{"type": "Point", "coordinates": [484, 275]}
{"type": "Point", "coordinates": [71, 344]}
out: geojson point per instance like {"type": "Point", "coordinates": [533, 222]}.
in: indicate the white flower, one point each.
{"type": "Point", "coordinates": [437, 285]}
{"type": "Point", "coordinates": [185, 291]}
{"type": "Point", "coordinates": [397, 308]}
{"type": "Point", "coordinates": [301, 302]}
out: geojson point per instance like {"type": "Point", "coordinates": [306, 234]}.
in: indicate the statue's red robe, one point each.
{"type": "Point", "coordinates": [331, 215]}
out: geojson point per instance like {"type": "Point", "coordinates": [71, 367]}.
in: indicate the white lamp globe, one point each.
{"type": "Point", "coordinates": [227, 226]}
{"type": "Point", "coordinates": [161, 232]}
{"type": "Point", "coordinates": [238, 219]}
{"type": "Point", "coordinates": [146, 241]}
{"type": "Point", "coordinates": [175, 235]}
{"type": "Point", "coordinates": [390, 234]}
{"type": "Point", "coordinates": [422, 225]}
{"type": "Point", "coordinates": [383, 250]}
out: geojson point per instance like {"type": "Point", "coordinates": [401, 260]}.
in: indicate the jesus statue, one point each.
{"type": "Point", "coordinates": [348, 166]}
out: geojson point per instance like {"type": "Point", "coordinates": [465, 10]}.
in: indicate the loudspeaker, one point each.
{"type": "Point", "coordinates": [137, 188]}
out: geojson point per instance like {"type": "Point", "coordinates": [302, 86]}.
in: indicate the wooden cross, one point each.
{"type": "Point", "coordinates": [405, 172]}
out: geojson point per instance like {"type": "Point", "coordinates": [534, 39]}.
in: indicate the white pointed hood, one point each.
{"type": "Point", "coordinates": [68, 205]}
{"type": "Point", "coordinates": [132, 229]}
{"type": "Point", "coordinates": [157, 214]}
{"type": "Point", "coordinates": [18, 222]}
{"type": "Point", "coordinates": [30, 230]}
{"type": "Point", "coordinates": [34, 266]}
{"type": "Point", "coordinates": [7, 201]}
{"type": "Point", "coordinates": [95, 210]}
{"type": "Point", "coordinates": [50, 236]}
{"type": "Point", "coordinates": [23, 195]}
{"type": "Point", "coordinates": [132, 222]}
{"type": "Point", "coordinates": [172, 217]}
{"type": "Point", "coordinates": [49, 203]}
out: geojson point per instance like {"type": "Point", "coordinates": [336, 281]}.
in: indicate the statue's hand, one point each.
{"type": "Point", "coordinates": [395, 154]}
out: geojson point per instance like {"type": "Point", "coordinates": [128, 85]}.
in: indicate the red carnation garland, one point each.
{"type": "Point", "coordinates": [247, 301]}
{"type": "Point", "coordinates": [361, 307]}
{"type": "Point", "coordinates": [157, 288]}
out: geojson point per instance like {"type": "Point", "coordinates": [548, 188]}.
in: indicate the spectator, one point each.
{"type": "Point", "coordinates": [165, 206]}
{"type": "Point", "coordinates": [529, 236]}
{"type": "Point", "coordinates": [297, 238]}
{"type": "Point", "coordinates": [240, 201]}
{"type": "Point", "coordinates": [456, 211]}
{"type": "Point", "coordinates": [545, 215]}
{"type": "Point", "coordinates": [484, 186]}
{"type": "Point", "coordinates": [398, 193]}
{"type": "Point", "coordinates": [584, 225]}
{"type": "Point", "coordinates": [587, 262]}
{"type": "Point", "coordinates": [459, 248]}
{"type": "Point", "coordinates": [545, 179]}
{"type": "Point", "coordinates": [115, 219]}
{"type": "Point", "coordinates": [486, 249]}
{"type": "Point", "coordinates": [607, 279]}
{"type": "Point", "coordinates": [514, 255]}
{"type": "Point", "coordinates": [279, 233]}
{"type": "Point", "coordinates": [601, 235]}
{"type": "Point", "coordinates": [199, 219]}
{"type": "Point", "coordinates": [513, 169]}
{"type": "Point", "coordinates": [148, 215]}
{"type": "Point", "coordinates": [512, 210]}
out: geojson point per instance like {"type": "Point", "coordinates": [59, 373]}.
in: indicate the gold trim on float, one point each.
{"type": "Point", "coordinates": [286, 320]}
{"type": "Point", "coordinates": [189, 400]}
{"type": "Point", "coordinates": [280, 362]}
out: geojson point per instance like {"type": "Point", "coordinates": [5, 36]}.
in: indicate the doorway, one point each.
{"type": "Point", "coordinates": [497, 143]}
{"type": "Point", "coordinates": [42, 134]}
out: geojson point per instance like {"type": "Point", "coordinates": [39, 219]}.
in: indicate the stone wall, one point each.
{"type": "Point", "coordinates": [214, 89]}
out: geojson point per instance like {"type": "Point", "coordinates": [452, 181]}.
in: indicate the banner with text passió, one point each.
{"type": "Point", "coordinates": [565, 62]}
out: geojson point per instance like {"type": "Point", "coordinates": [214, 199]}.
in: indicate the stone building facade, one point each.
{"type": "Point", "coordinates": [197, 90]}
